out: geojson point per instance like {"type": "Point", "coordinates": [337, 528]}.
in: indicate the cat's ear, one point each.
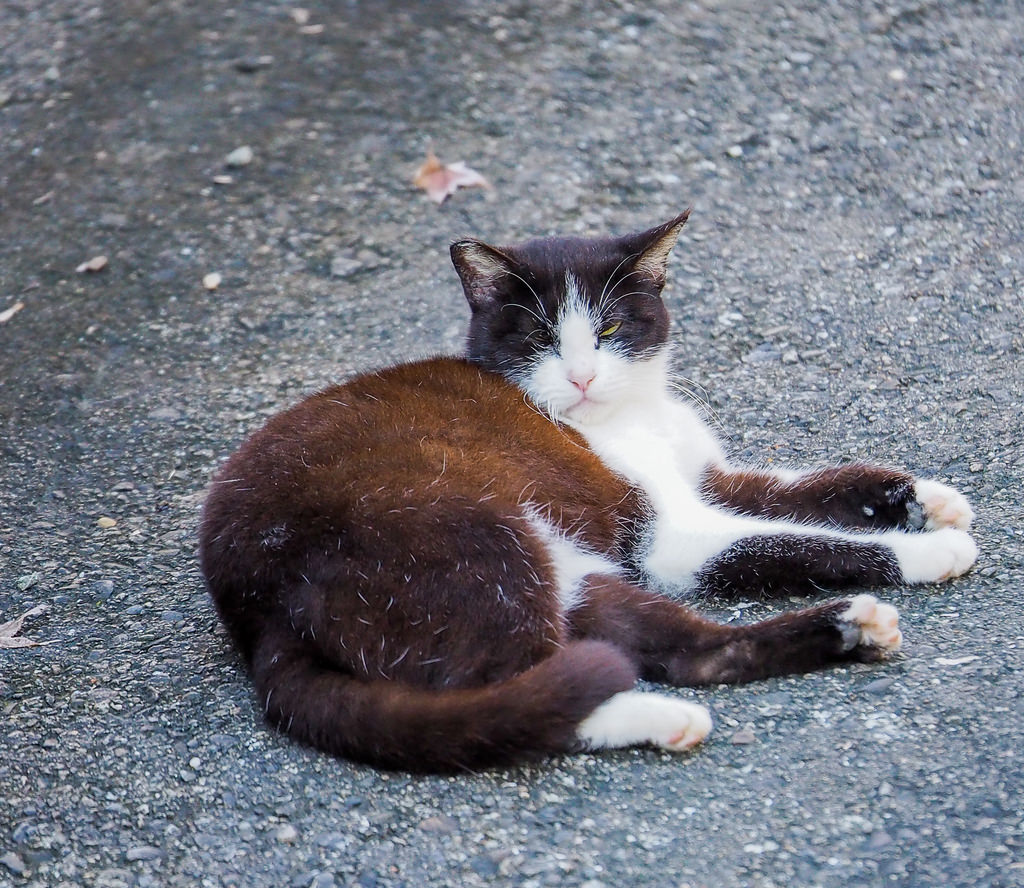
{"type": "Point", "coordinates": [481, 268]}
{"type": "Point", "coordinates": [654, 247]}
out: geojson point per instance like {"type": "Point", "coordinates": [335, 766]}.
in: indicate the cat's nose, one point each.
{"type": "Point", "coordinates": [582, 379]}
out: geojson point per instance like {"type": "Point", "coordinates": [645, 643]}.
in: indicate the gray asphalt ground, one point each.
{"type": "Point", "coordinates": [849, 287]}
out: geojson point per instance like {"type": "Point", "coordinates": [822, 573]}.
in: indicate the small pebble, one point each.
{"type": "Point", "coordinates": [735, 151]}
{"type": "Point", "coordinates": [286, 833]}
{"type": "Point", "coordinates": [212, 280]}
{"type": "Point", "coordinates": [252, 64]}
{"type": "Point", "coordinates": [14, 863]}
{"type": "Point", "coordinates": [165, 413]}
{"type": "Point", "coordinates": [342, 266]}
{"type": "Point", "coordinates": [27, 581]}
{"type": "Point", "coordinates": [743, 738]}
{"type": "Point", "coordinates": [106, 522]}
{"type": "Point", "coordinates": [440, 823]}
{"type": "Point", "coordinates": [143, 852]}
{"type": "Point", "coordinates": [878, 686]}
{"type": "Point", "coordinates": [240, 157]}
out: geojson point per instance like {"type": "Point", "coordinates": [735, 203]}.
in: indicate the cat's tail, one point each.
{"type": "Point", "coordinates": [393, 725]}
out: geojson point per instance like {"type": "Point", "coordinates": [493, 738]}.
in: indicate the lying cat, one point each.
{"type": "Point", "coordinates": [464, 562]}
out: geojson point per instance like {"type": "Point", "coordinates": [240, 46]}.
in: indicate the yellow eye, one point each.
{"type": "Point", "coordinates": [611, 329]}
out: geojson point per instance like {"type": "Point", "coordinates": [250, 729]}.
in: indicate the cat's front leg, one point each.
{"type": "Point", "coordinates": [855, 496]}
{"type": "Point", "coordinates": [722, 553]}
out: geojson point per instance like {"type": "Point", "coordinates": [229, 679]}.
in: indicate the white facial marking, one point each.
{"type": "Point", "coordinates": [584, 378]}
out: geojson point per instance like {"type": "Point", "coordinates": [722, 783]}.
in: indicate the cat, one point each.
{"type": "Point", "coordinates": [467, 562]}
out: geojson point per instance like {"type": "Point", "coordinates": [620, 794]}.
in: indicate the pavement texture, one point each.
{"type": "Point", "coordinates": [849, 287]}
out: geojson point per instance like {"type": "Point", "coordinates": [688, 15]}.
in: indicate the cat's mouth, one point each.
{"type": "Point", "coordinates": [584, 403]}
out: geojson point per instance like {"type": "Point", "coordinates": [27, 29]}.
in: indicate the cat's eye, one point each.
{"type": "Point", "coordinates": [611, 329]}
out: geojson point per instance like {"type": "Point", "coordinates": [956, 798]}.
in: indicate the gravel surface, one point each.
{"type": "Point", "coordinates": [849, 286]}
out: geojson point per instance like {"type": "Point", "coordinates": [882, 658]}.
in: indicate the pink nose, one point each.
{"type": "Point", "coordinates": [582, 379]}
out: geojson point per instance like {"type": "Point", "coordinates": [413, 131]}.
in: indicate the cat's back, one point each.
{"type": "Point", "coordinates": [395, 416]}
{"type": "Point", "coordinates": [401, 438]}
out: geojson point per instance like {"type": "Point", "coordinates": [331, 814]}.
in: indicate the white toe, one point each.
{"type": "Point", "coordinates": [943, 506]}
{"type": "Point", "coordinates": [634, 718]}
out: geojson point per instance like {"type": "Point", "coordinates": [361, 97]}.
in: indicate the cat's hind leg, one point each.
{"type": "Point", "coordinates": [672, 643]}
{"type": "Point", "coordinates": [635, 718]}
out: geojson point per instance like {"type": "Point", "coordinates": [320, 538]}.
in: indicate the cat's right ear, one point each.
{"type": "Point", "coordinates": [481, 268]}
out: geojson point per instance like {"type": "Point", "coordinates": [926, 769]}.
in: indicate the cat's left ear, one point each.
{"type": "Point", "coordinates": [481, 268]}
{"type": "Point", "coordinates": [655, 246]}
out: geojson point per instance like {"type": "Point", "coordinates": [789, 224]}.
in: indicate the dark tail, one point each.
{"type": "Point", "coordinates": [393, 725]}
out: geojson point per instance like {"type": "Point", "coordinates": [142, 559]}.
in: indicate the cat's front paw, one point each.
{"type": "Point", "coordinates": [934, 556]}
{"type": "Point", "coordinates": [872, 624]}
{"type": "Point", "coordinates": [942, 506]}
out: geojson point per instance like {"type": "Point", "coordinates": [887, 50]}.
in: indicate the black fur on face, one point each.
{"type": "Point", "coordinates": [517, 294]}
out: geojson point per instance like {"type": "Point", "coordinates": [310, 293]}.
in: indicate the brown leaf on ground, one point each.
{"type": "Point", "coordinates": [439, 180]}
{"type": "Point", "coordinates": [9, 637]}
{"type": "Point", "coordinates": [9, 313]}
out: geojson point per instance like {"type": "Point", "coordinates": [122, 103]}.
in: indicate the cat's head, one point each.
{"type": "Point", "coordinates": [578, 324]}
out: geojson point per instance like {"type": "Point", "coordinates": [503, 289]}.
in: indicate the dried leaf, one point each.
{"type": "Point", "coordinates": [97, 263]}
{"type": "Point", "coordinates": [9, 637]}
{"type": "Point", "coordinates": [439, 180]}
{"type": "Point", "coordinates": [9, 313]}
{"type": "Point", "coordinates": [957, 661]}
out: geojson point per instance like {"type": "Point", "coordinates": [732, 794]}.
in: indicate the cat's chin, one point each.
{"type": "Point", "coordinates": [587, 411]}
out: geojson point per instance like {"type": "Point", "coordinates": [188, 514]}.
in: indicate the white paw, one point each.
{"type": "Point", "coordinates": [634, 718]}
{"type": "Point", "coordinates": [943, 506]}
{"type": "Point", "coordinates": [933, 556]}
{"type": "Point", "coordinates": [877, 623]}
